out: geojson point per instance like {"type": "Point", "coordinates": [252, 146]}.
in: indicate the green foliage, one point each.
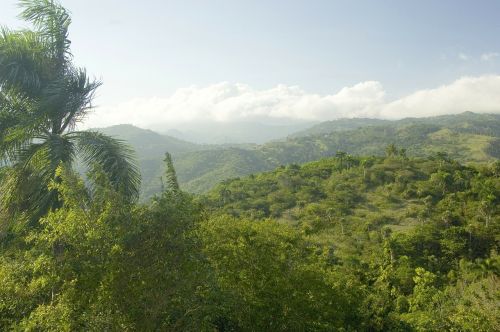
{"type": "Point", "coordinates": [43, 95]}
{"type": "Point", "coordinates": [370, 245]}
{"type": "Point", "coordinates": [100, 263]}
{"type": "Point", "coordinates": [269, 278]}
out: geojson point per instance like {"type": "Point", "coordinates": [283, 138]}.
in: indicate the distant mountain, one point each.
{"type": "Point", "coordinates": [340, 125]}
{"type": "Point", "coordinates": [467, 137]}
{"type": "Point", "coordinates": [467, 122]}
{"type": "Point", "coordinates": [235, 132]}
{"type": "Point", "coordinates": [148, 143]}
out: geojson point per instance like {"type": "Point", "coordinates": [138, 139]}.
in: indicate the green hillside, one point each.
{"type": "Point", "coordinates": [467, 122]}
{"type": "Point", "coordinates": [198, 172]}
{"type": "Point", "coordinates": [354, 188]}
{"type": "Point", "coordinates": [390, 221]}
{"type": "Point", "coordinates": [340, 125]}
{"type": "Point", "coordinates": [466, 137]}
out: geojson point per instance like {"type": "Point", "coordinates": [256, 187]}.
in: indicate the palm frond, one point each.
{"type": "Point", "coordinates": [68, 98]}
{"type": "Point", "coordinates": [52, 20]}
{"type": "Point", "coordinates": [81, 90]}
{"type": "Point", "coordinates": [23, 61]}
{"type": "Point", "coordinates": [115, 158]}
{"type": "Point", "coordinates": [8, 117]}
{"type": "Point", "coordinates": [46, 154]}
{"type": "Point", "coordinates": [19, 124]}
{"type": "Point", "coordinates": [25, 195]}
{"type": "Point", "coordinates": [25, 188]}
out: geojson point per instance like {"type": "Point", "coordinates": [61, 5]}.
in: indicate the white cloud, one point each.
{"type": "Point", "coordinates": [226, 102]}
{"type": "Point", "coordinates": [475, 94]}
{"type": "Point", "coordinates": [489, 56]}
{"type": "Point", "coordinates": [463, 56]}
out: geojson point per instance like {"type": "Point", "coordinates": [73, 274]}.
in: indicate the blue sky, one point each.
{"type": "Point", "coordinates": [150, 49]}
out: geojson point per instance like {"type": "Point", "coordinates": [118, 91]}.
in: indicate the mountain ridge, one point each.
{"type": "Point", "coordinates": [467, 137]}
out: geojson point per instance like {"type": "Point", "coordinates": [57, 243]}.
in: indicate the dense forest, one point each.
{"type": "Point", "coordinates": [361, 244]}
{"type": "Point", "coordinates": [338, 235]}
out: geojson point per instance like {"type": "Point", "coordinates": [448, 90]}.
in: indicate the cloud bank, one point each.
{"type": "Point", "coordinates": [227, 102]}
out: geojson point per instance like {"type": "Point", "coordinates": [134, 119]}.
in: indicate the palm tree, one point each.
{"type": "Point", "coordinates": [350, 160]}
{"type": "Point", "coordinates": [402, 153]}
{"type": "Point", "coordinates": [341, 155]}
{"type": "Point", "coordinates": [367, 163]}
{"type": "Point", "coordinates": [43, 95]}
{"type": "Point", "coordinates": [225, 195]}
{"type": "Point", "coordinates": [391, 150]}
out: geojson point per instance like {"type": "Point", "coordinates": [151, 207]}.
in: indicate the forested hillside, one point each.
{"type": "Point", "coordinates": [466, 137]}
{"type": "Point", "coordinates": [354, 244]}
{"type": "Point", "coordinates": [464, 140]}
{"type": "Point", "coordinates": [340, 125]}
{"type": "Point", "coordinates": [485, 124]}
{"type": "Point", "coordinates": [418, 235]}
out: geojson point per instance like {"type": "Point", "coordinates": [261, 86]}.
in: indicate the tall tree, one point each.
{"type": "Point", "coordinates": [43, 95]}
{"type": "Point", "coordinates": [170, 175]}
